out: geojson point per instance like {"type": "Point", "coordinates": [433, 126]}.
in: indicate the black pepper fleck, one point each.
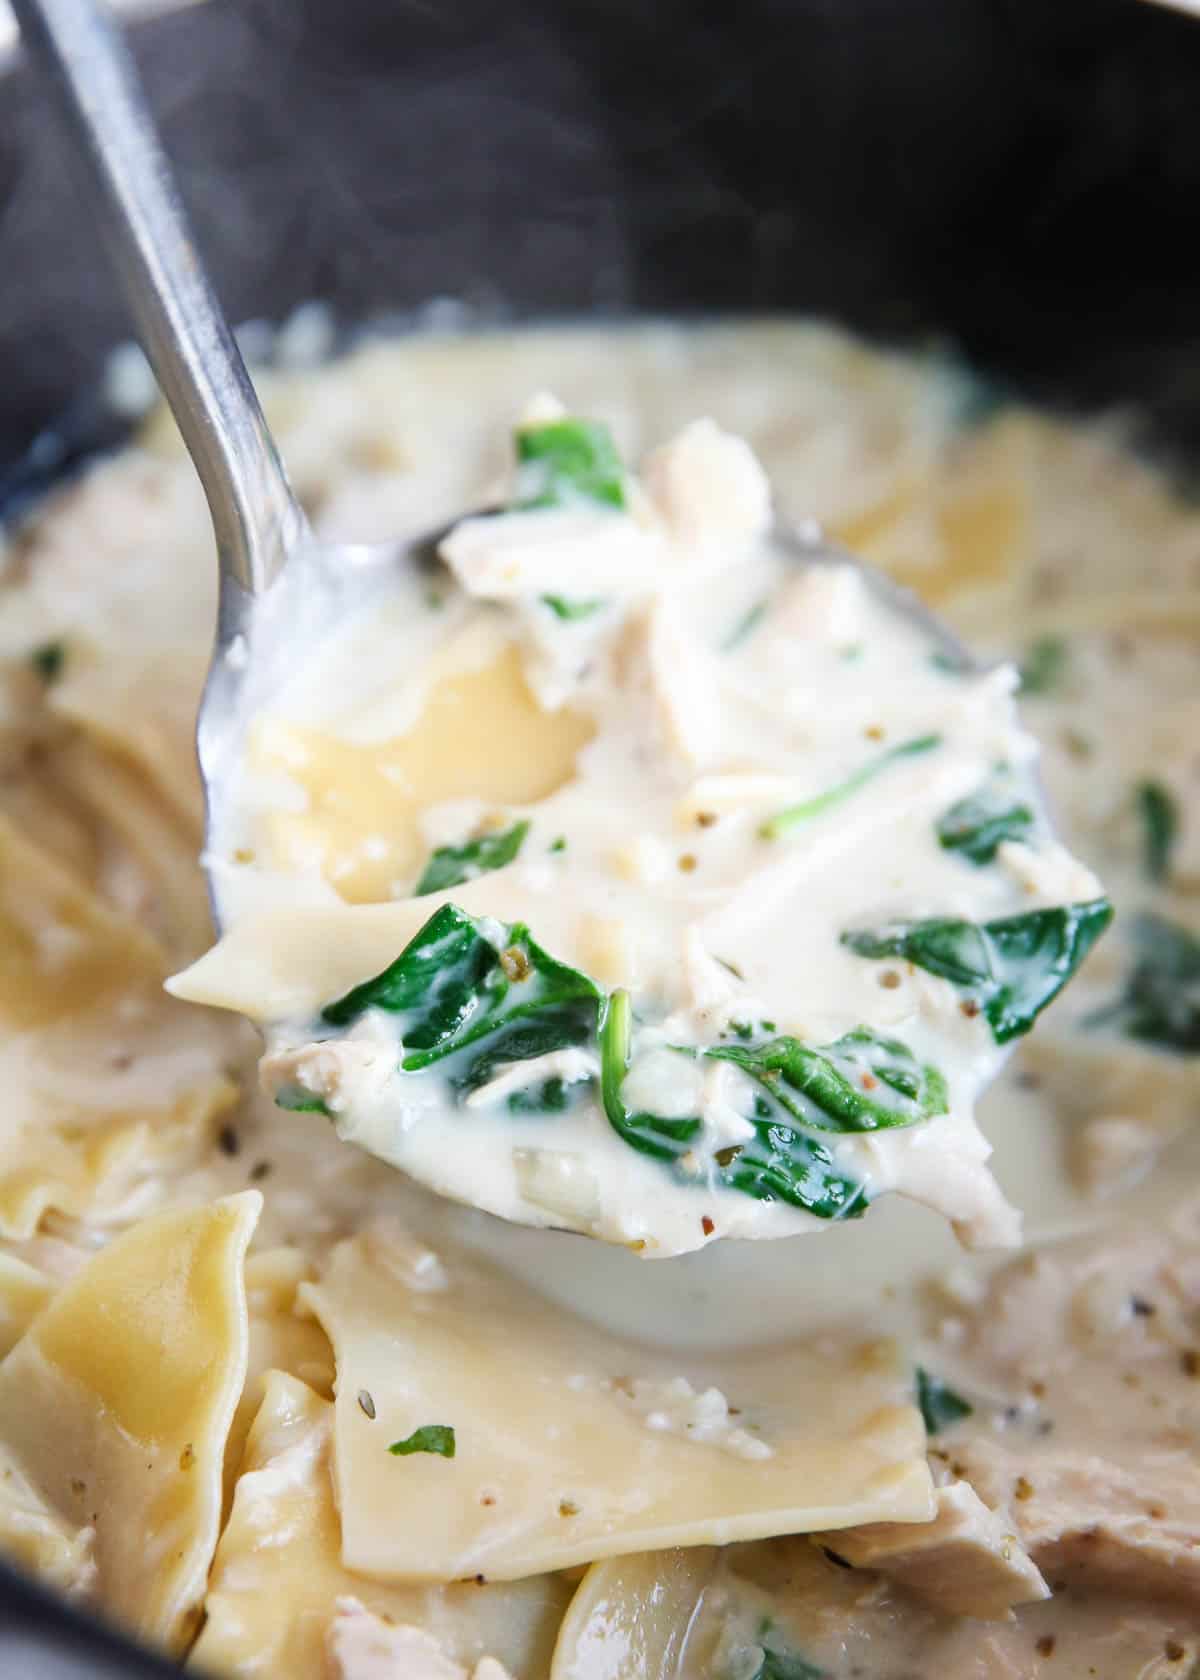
{"type": "Point", "coordinates": [515, 964]}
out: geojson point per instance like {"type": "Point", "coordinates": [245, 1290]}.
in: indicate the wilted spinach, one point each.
{"type": "Point", "coordinates": [570, 612]}
{"type": "Point", "coordinates": [1160, 825]}
{"type": "Point", "coordinates": [456, 987]}
{"type": "Point", "coordinates": [940, 1405]}
{"type": "Point", "coordinates": [860, 1083]}
{"type": "Point", "coordinates": [792, 817]}
{"type": "Point", "coordinates": [1044, 664]}
{"type": "Point", "coordinates": [450, 866]}
{"type": "Point", "coordinates": [1010, 968]}
{"type": "Point", "coordinates": [567, 461]}
{"type": "Point", "coordinates": [1160, 1004]}
{"type": "Point", "coordinates": [667, 1138]}
{"type": "Point", "coordinates": [979, 824]}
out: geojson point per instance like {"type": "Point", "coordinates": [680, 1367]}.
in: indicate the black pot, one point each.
{"type": "Point", "coordinates": [1020, 176]}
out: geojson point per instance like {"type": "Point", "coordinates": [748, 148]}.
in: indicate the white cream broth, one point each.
{"type": "Point", "coordinates": [724, 756]}
{"type": "Point", "coordinates": [637, 1419]}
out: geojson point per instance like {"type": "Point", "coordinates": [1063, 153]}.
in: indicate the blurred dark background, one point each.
{"type": "Point", "coordinates": [1021, 175]}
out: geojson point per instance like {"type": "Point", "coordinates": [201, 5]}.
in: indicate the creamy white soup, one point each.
{"type": "Point", "coordinates": [281, 1408]}
{"type": "Point", "coordinates": [786, 897]}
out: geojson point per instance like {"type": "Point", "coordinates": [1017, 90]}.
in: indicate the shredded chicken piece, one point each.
{"type": "Point", "coordinates": [824, 603]}
{"type": "Point", "coordinates": [342, 1073]}
{"type": "Point", "coordinates": [684, 690]}
{"type": "Point", "coordinates": [1094, 1341]}
{"type": "Point", "coordinates": [709, 487]}
{"type": "Point", "coordinates": [1130, 1527]}
{"type": "Point", "coordinates": [968, 1561]}
{"type": "Point", "coordinates": [359, 1645]}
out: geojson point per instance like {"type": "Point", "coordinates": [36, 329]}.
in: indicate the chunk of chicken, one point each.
{"type": "Point", "coordinates": [1094, 1343]}
{"type": "Point", "coordinates": [1131, 1527]}
{"type": "Point", "coordinates": [968, 1561]}
{"type": "Point", "coordinates": [360, 1645]}
{"type": "Point", "coordinates": [709, 487]}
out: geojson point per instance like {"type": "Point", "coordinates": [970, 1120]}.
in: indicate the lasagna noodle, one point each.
{"type": "Point", "coordinates": [116, 1406]}
{"type": "Point", "coordinates": [151, 854]}
{"type": "Point", "coordinates": [556, 1462]}
{"type": "Point", "coordinates": [24, 1291]}
{"type": "Point", "coordinates": [61, 947]}
{"type": "Point", "coordinates": [479, 735]}
{"type": "Point", "coordinates": [142, 707]}
{"type": "Point", "coordinates": [282, 1339]}
{"type": "Point", "coordinates": [278, 1577]}
{"type": "Point", "coordinates": [287, 964]}
{"type": "Point", "coordinates": [631, 1615]}
{"type": "Point", "coordinates": [109, 1082]}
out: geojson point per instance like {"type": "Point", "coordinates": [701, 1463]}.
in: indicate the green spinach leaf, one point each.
{"type": "Point", "coordinates": [1011, 968]}
{"type": "Point", "coordinates": [464, 984]}
{"type": "Point", "coordinates": [1161, 1001]}
{"type": "Point", "coordinates": [950, 664]}
{"type": "Point", "coordinates": [667, 1138]}
{"type": "Point", "coordinates": [977, 825]}
{"type": "Point", "coordinates": [567, 461]}
{"type": "Point", "coordinates": [792, 817]}
{"type": "Point", "coordinates": [861, 1083]}
{"type": "Point", "coordinates": [1044, 665]}
{"type": "Point", "coordinates": [782, 1163]}
{"type": "Point", "coordinates": [430, 1438]}
{"type": "Point", "coordinates": [746, 625]}
{"type": "Point", "coordinates": [450, 866]}
{"type": "Point", "coordinates": [778, 1660]}
{"type": "Point", "coordinates": [779, 1163]}
{"type": "Point", "coordinates": [48, 660]}
{"type": "Point", "coordinates": [570, 611]}
{"type": "Point", "coordinates": [1160, 826]}
{"type": "Point", "coordinates": [552, 1096]}
{"type": "Point", "coordinates": [940, 1405]}
{"type": "Point", "coordinates": [781, 1664]}
{"type": "Point", "coordinates": [299, 1101]}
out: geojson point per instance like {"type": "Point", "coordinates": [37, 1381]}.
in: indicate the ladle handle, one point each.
{"type": "Point", "coordinates": [183, 331]}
